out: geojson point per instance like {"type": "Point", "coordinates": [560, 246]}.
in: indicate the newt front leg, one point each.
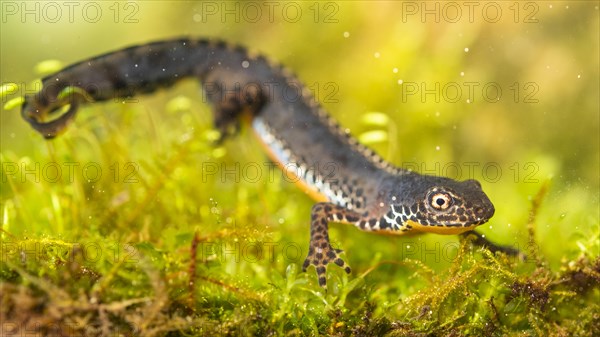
{"type": "Point", "coordinates": [320, 252]}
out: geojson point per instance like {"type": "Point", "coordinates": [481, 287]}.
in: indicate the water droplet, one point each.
{"type": "Point", "coordinates": [245, 64]}
{"type": "Point", "coordinates": [395, 70]}
{"type": "Point", "coordinates": [377, 55]}
{"type": "Point", "coordinates": [346, 34]}
{"type": "Point", "coordinates": [400, 81]}
{"type": "Point", "coordinates": [437, 148]}
{"type": "Point", "coordinates": [462, 73]}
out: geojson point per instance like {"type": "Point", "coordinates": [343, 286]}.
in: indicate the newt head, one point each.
{"type": "Point", "coordinates": [443, 206]}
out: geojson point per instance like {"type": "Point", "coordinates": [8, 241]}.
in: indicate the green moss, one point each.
{"type": "Point", "coordinates": [149, 253]}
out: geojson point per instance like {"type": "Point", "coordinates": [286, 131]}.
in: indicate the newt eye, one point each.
{"type": "Point", "coordinates": [440, 201]}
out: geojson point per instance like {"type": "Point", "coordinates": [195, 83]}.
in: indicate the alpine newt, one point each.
{"type": "Point", "coordinates": [366, 191]}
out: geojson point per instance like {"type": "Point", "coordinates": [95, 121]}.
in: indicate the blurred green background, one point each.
{"type": "Point", "coordinates": [362, 57]}
{"type": "Point", "coordinates": [503, 92]}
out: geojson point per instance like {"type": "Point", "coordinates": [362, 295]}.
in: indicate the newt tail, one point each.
{"type": "Point", "coordinates": [353, 184]}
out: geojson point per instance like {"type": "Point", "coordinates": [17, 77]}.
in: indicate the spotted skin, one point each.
{"type": "Point", "coordinates": [352, 183]}
{"type": "Point", "coordinates": [320, 252]}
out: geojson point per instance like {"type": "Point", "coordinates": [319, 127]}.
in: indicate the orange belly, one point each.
{"type": "Point", "coordinates": [291, 174]}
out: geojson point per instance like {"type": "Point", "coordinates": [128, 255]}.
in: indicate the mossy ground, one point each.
{"type": "Point", "coordinates": [156, 246]}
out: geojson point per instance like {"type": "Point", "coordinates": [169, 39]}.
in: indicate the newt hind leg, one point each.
{"type": "Point", "coordinates": [230, 100]}
{"type": "Point", "coordinates": [320, 252]}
